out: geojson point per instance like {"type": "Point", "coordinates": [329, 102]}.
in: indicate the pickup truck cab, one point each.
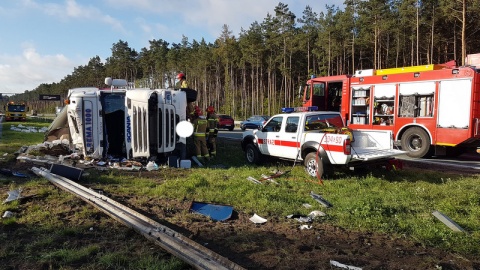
{"type": "Point", "coordinates": [319, 139]}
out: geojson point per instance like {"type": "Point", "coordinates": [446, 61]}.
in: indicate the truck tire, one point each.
{"type": "Point", "coordinates": [417, 143]}
{"type": "Point", "coordinates": [252, 154]}
{"type": "Point", "coordinates": [312, 166]}
{"type": "Point", "coordinates": [230, 128]}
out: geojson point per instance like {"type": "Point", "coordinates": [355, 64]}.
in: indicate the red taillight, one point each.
{"type": "Point", "coordinates": [347, 147]}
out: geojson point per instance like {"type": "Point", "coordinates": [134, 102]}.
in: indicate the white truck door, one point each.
{"type": "Point", "coordinates": [272, 141]}
{"type": "Point", "coordinates": [288, 140]}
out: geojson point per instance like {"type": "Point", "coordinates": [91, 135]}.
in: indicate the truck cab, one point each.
{"type": "Point", "coordinates": [124, 122]}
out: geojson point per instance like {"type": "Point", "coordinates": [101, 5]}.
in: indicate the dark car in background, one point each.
{"type": "Point", "coordinates": [225, 121]}
{"type": "Point", "coordinates": [254, 122]}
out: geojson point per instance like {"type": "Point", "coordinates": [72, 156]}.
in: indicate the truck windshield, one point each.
{"type": "Point", "coordinates": [322, 121]}
{"type": "Point", "coordinates": [16, 108]}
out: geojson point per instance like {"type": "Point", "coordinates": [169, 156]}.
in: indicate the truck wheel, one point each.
{"type": "Point", "coordinates": [416, 142]}
{"type": "Point", "coordinates": [230, 128]}
{"type": "Point", "coordinates": [252, 154]}
{"type": "Point", "coordinates": [312, 166]}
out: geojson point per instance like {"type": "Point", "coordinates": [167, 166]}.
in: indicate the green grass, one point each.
{"type": "Point", "coordinates": [399, 203]}
{"type": "Point", "coordinates": [395, 202]}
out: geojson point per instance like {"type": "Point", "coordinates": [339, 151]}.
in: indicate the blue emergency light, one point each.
{"type": "Point", "coordinates": [299, 109]}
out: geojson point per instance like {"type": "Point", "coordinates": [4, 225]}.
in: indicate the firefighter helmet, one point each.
{"type": "Point", "coordinates": [180, 76]}
{"type": "Point", "coordinates": [198, 111]}
{"type": "Point", "coordinates": [210, 109]}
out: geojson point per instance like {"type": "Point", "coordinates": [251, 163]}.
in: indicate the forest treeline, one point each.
{"type": "Point", "coordinates": [260, 70]}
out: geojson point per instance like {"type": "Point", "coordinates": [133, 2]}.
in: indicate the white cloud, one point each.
{"type": "Point", "coordinates": [29, 70]}
{"type": "Point", "coordinates": [71, 10]}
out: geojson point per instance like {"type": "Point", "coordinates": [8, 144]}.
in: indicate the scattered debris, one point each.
{"type": "Point", "coordinates": [447, 221]}
{"type": "Point", "coordinates": [310, 218]}
{"type": "Point", "coordinates": [194, 158]}
{"type": "Point", "coordinates": [307, 205]}
{"type": "Point", "coordinates": [26, 129]}
{"type": "Point", "coordinates": [257, 219]}
{"type": "Point", "coordinates": [314, 214]}
{"type": "Point", "coordinates": [344, 266]}
{"type": "Point", "coordinates": [13, 195]}
{"type": "Point", "coordinates": [8, 172]}
{"type": "Point", "coordinates": [151, 166]}
{"type": "Point", "coordinates": [320, 200]}
{"type": "Point", "coordinates": [7, 214]}
{"type": "Point", "coordinates": [71, 173]}
{"type": "Point", "coordinates": [299, 218]}
{"type": "Point", "coordinates": [216, 212]}
{"type": "Point", "coordinates": [268, 178]}
{"type": "Point", "coordinates": [305, 227]}
{"type": "Point", "coordinates": [253, 180]}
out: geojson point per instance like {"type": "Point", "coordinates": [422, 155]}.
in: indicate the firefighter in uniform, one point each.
{"type": "Point", "coordinates": [200, 130]}
{"type": "Point", "coordinates": [181, 82]}
{"type": "Point", "coordinates": [212, 131]}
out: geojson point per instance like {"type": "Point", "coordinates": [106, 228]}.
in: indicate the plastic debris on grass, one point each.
{"type": "Point", "coordinates": [216, 212]}
{"type": "Point", "coordinates": [320, 200]}
{"type": "Point", "coordinates": [13, 195]}
{"type": "Point", "coordinates": [344, 266]}
{"type": "Point", "coordinates": [257, 219]}
{"type": "Point", "coordinates": [309, 218]}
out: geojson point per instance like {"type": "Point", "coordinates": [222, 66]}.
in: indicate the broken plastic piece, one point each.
{"type": "Point", "coordinates": [257, 219]}
{"type": "Point", "coordinates": [7, 214]}
{"type": "Point", "coordinates": [447, 221]}
{"type": "Point", "coordinates": [307, 205]}
{"type": "Point", "coordinates": [253, 180]}
{"type": "Point", "coordinates": [151, 166]}
{"type": "Point", "coordinates": [214, 211]}
{"type": "Point", "coordinates": [269, 178]}
{"type": "Point", "coordinates": [316, 213]}
{"type": "Point", "coordinates": [320, 200]}
{"type": "Point", "coordinates": [13, 195]}
{"type": "Point", "coordinates": [344, 266]}
{"type": "Point", "coordinates": [194, 158]}
{"type": "Point", "coordinates": [305, 227]}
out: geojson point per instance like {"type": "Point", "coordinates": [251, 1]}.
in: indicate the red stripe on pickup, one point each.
{"type": "Point", "coordinates": [333, 148]}
{"type": "Point", "coordinates": [327, 147]}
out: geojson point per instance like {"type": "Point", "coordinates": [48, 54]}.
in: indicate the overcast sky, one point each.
{"type": "Point", "coordinates": [42, 41]}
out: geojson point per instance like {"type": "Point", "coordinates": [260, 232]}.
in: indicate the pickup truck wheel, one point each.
{"type": "Point", "coordinates": [312, 166]}
{"type": "Point", "coordinates": [416, 142]}
{"type": "Point", "coordinates": [252, 154]}
{"type": "Point", "coordinates": [230, 128]}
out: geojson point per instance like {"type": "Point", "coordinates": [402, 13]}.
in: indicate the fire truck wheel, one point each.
{"type": "Point", "coordinates": [252, 154]}
{"type": "Point", "coordinates": [312, 166]}
{"type": "Point", "coordinates": [416, 142]}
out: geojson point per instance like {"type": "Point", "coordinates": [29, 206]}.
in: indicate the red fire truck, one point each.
{"type": "Point", "coordinates": [431, 109]}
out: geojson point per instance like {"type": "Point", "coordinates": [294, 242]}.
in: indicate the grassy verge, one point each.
{"type": "Point", "coordinates": [399, 203]}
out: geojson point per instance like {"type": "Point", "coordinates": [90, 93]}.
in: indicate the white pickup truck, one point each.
{"type": "Point", "coordinates": [302, 136]}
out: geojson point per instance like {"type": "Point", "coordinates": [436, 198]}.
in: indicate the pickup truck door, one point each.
{"type": "Point", "coordinates": [268, 138]}
{"type": "Point", "coordinates": [288, 140]}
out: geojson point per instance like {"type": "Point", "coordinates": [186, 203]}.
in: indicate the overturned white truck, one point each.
{"type": "Point", "coordinates": [123, 122]}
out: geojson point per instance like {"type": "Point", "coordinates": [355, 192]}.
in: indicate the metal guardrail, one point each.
{"type": "Point", "coordinates": [175, 243]}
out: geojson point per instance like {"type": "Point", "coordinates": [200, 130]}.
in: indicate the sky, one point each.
{"type": "Point", "coordinates": [42, 41]}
